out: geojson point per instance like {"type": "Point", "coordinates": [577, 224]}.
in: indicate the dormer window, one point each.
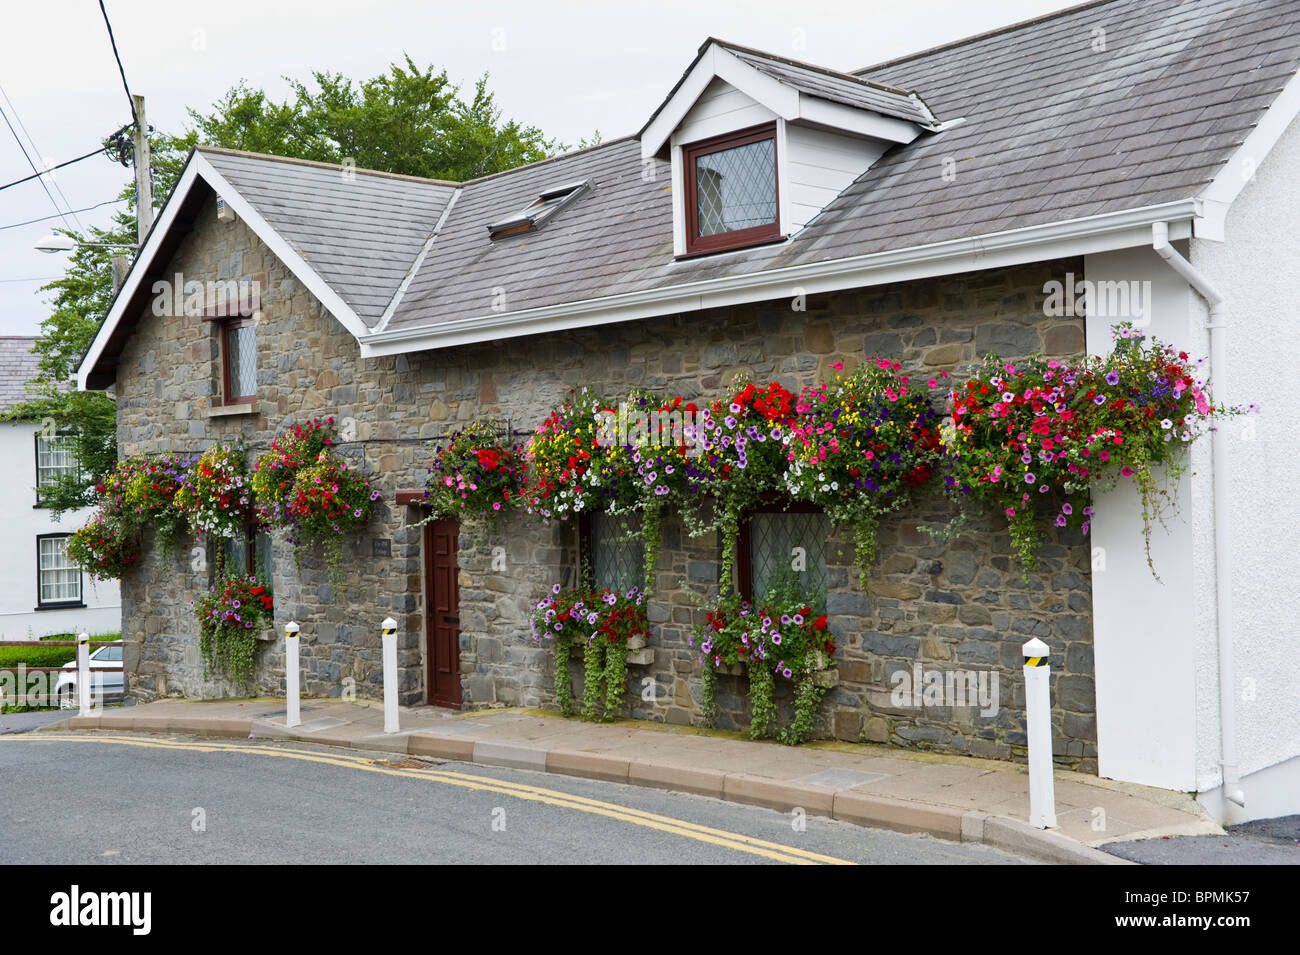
{"type": "Point", "coordinates": [731, 190]}
{"type": "Point", "coordinates": [538, 211]}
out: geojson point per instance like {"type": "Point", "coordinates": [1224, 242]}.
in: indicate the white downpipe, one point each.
{"type": "Point", "coordinates": [1222, 525]}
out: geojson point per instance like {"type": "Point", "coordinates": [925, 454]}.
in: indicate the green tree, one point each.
{"type": "Point", "coordinates": [407, 120]}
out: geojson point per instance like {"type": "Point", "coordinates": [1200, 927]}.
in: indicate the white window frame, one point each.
{"type": "Point", "coordinates": [61, 564]}
{"type": "Point", "coordinates": [51, 446]}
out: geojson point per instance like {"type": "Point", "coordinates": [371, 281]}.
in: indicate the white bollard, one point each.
{"type": "Point", "coordinates": [390, 675]}
{"type": "Point", "coordinates": [83, 675]}
{"type": "Point", "coordinates": [1038, 720]}
{"type": "Point", "coordinates": [292, 714]}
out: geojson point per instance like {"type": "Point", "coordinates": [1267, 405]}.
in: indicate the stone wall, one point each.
{"type": "Point", "coordinates": [960, 606]}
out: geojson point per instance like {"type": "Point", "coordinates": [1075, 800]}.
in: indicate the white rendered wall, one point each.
{"type": "Point", "coordinates": [1145, 631]}
{"type": "Point", "coordinates": [1257, 268]}
{"type": "Point", "coordinates": [22, 522]}
{"type": "Point", "coordinates": [822, 164]}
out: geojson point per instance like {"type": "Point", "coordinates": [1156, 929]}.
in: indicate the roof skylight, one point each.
{"type": "Point", "coordinates": [538, 211]}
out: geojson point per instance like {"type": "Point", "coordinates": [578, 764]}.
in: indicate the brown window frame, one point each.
{"type": "Point", "coordinates": [227, 326]}
{"type": "Point", "coordinates": [252, 530]}
{"type": "Point", "coordinates": [771, 503]}
{"type": "Point", "coordinates": [737, 238]}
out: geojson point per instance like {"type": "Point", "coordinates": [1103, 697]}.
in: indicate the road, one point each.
{"type": "Point", "coordinates": [30, 720]}
{"type": "Point", "coordinates": [1262, 842]}
{"type": "Point", "coordinates": [123, 798]}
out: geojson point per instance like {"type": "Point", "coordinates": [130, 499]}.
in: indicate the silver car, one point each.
{"type": "Point", "coordinates": [105, 676]}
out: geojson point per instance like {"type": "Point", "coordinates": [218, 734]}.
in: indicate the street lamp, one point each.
{"type": "Point", "coordinates": [58, 242]}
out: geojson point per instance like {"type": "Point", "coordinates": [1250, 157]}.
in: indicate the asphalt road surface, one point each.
{"type": "Point", "coordinates": [1262, 842]}
{"type": "Point", "coordinates": [123, 798]}
{"type": "Point", "coordinates": [31, 719]}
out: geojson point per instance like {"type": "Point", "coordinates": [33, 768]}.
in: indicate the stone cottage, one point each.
{"type": "Point", "coordinates": [774, 217]}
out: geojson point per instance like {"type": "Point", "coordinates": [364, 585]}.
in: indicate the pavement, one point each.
{"type": "Point", "coordinates": [958, 798]}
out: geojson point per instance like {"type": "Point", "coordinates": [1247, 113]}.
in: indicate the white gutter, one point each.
{"type": "Point", "coordinates": [1217, 325]}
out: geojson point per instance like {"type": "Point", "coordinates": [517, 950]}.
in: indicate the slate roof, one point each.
{"type": "Point", "coordinates": [17, 367]}
{"type": "Point", "coordinates": [1052, 131]}
{"type": "Point", "coordinates": [360, 230]}
{"type": "Point", "coordinates": [838, 87]}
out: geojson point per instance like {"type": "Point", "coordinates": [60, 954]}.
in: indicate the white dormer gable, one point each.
{"type": "Point", "coordinates": [824, 128]}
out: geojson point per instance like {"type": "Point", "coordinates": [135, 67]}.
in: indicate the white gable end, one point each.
{"type": "Point", "coordinates": [826, 136]}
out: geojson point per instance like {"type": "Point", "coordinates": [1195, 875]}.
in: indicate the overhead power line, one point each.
{"type": "Point", "coordinates": [98, 205]}
{"type": "Point", "coordinates": [37, 149]}
{"type": "Point", "coordinates": [129, 98]}
{"type": "Point", "coordinates": [31, 163]}
{"type": "Point", "coordinates": [38, 174]}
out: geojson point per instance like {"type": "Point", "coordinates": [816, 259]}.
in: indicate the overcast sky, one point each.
{"type": "Point", "coordinates": [566, 67]}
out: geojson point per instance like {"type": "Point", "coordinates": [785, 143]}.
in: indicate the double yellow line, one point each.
{"type": "Point", "coordinates": [550, 797]}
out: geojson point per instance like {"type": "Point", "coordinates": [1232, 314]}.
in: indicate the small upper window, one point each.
{"type": "Point", "coordinates": [54, 458]}
{"type": "Point", "coordinates": [731, 193]}
{"type": "Point", "coordinates": [538, 211]}
{"type": "Point", "coordinates": [239, 361]}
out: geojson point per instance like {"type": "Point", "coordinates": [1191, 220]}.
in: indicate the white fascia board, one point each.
{"type": "Point", "coordinates": [679, 104]}
{"type": "Point", "coordinates": [199, 168]}
{"type": "Point", "coordinates": [716, 62]}
{"type": "Point", "coordinates": [1249, 156]}
{"type": "Point", "coordinates": [761, 88]}
{"type": "Point", "coordinates": [850, 119]}
{"type": "Point", "coordinates": [286, 253]}
{"type": "Point", "coordinates": [1117, 230]}
{"type": "Point", "coordinates": [135, 276]}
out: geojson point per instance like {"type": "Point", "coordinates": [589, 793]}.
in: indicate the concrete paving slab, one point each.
{"type": "Point", "coordinates": [840, 778]}
{"type": "Point", "coordinates": [318, 724]}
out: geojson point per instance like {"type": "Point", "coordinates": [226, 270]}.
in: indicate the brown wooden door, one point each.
{"type": "Point", "coordinates": [442, 612]}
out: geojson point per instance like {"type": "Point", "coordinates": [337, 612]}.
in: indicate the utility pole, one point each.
{"type": "Point", "coordinates": [143, 177]}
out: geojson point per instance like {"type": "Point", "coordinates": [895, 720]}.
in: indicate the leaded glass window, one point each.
{"type": "Point", "coordinates": [617, 552]}
{"type": "Point", "coordinates": [788, 547]}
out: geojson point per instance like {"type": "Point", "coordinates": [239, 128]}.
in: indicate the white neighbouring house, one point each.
{"type": "Point", "coordinates": [41, 591]}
